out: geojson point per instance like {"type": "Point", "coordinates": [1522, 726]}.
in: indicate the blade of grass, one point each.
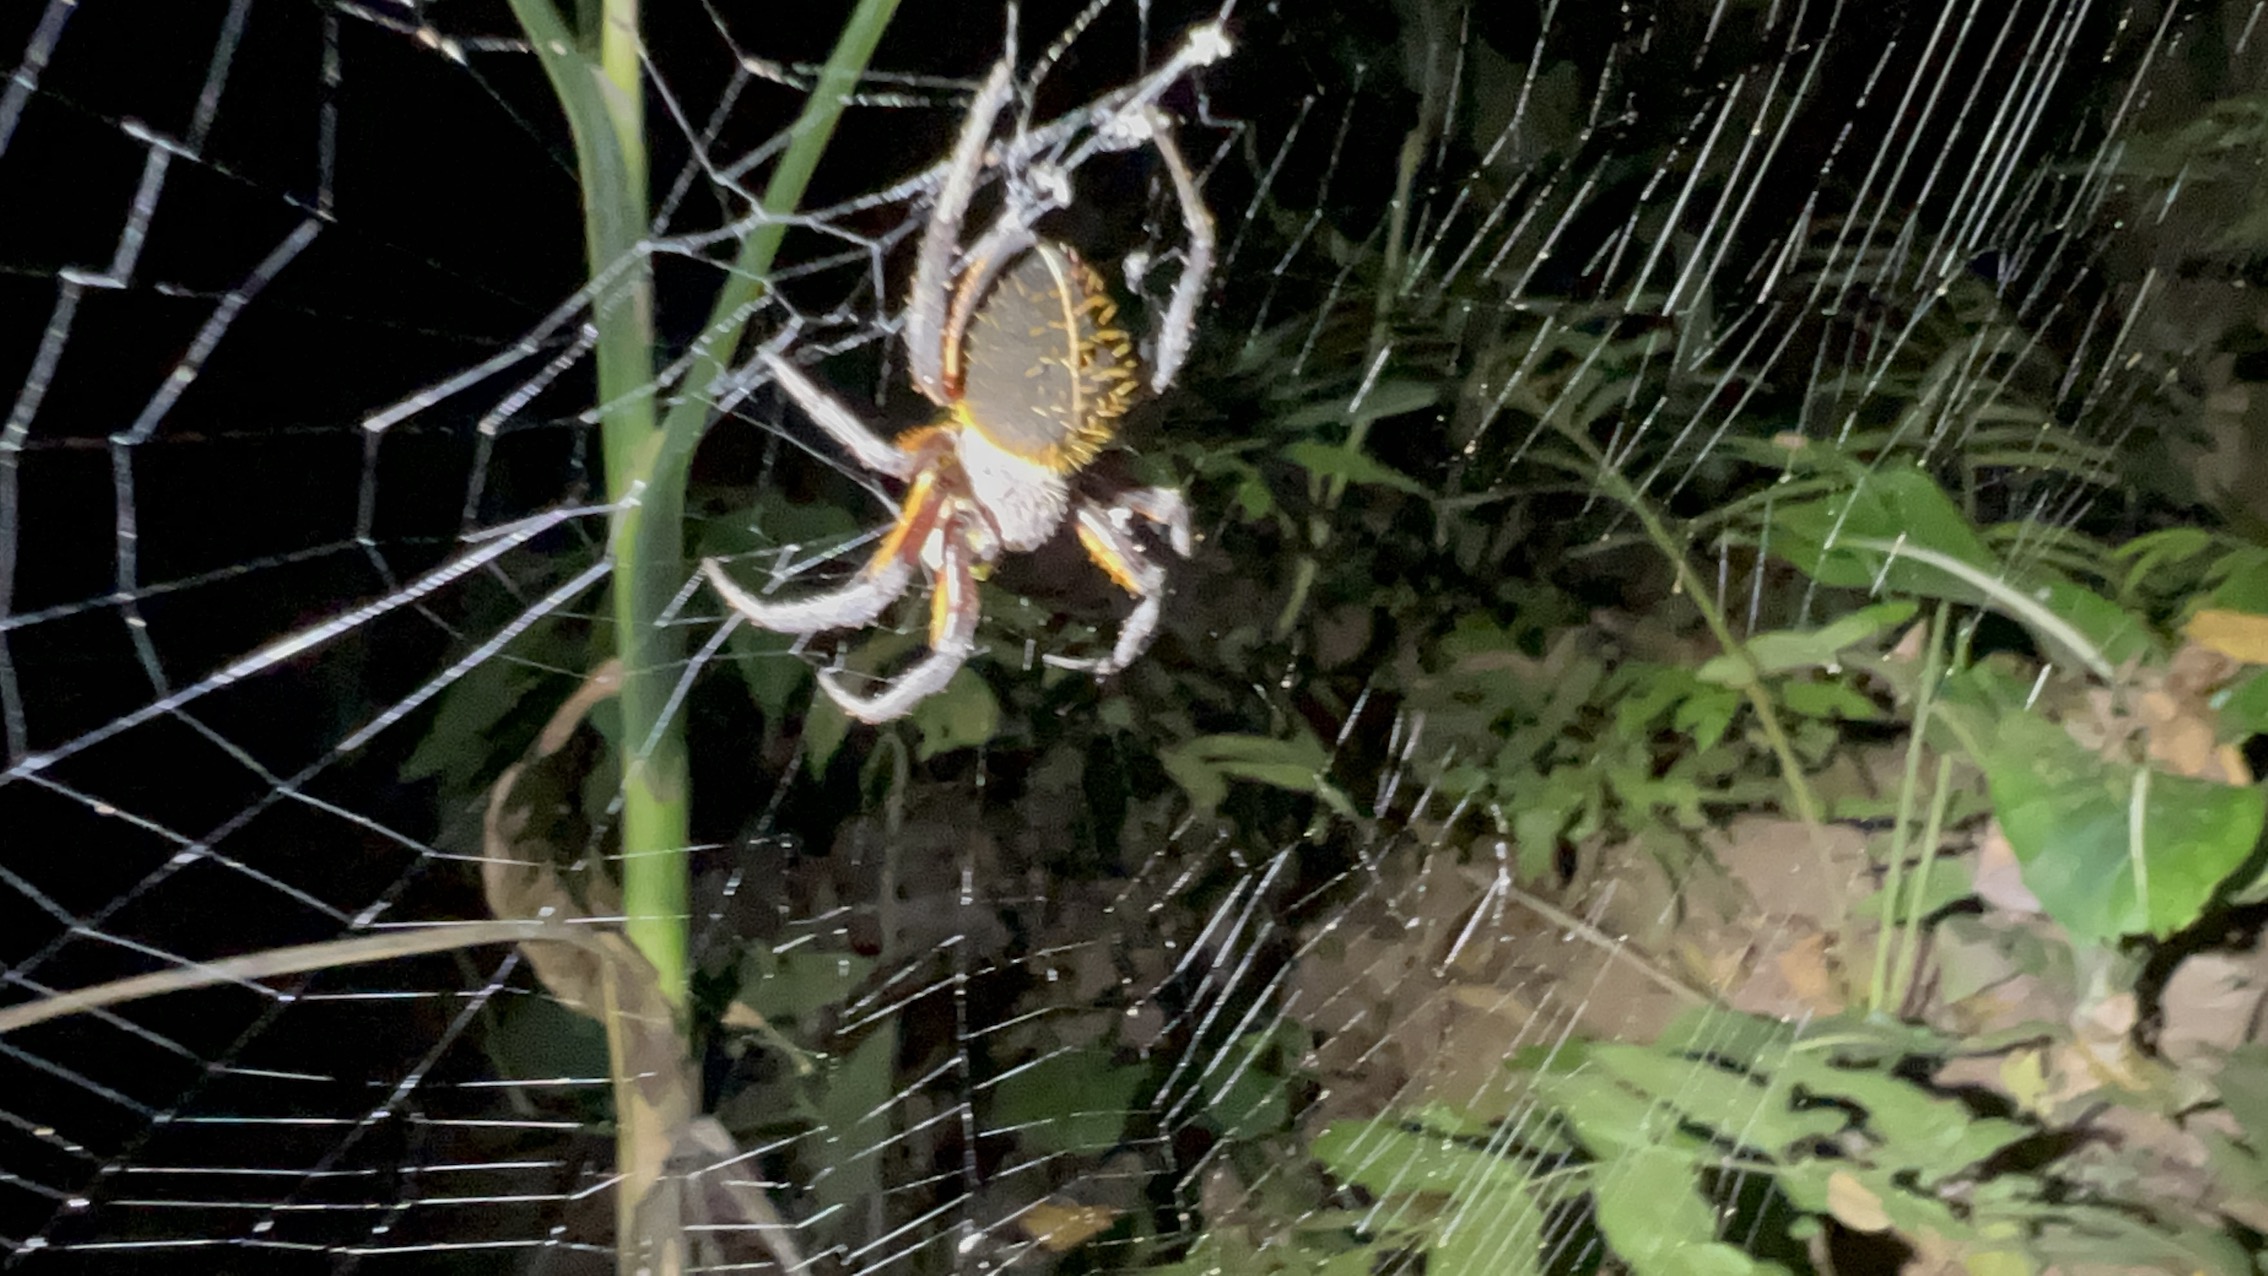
{"type": "Point", "coordinates": [647, 461]}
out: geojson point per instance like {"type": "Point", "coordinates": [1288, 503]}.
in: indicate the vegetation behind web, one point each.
{"type": "Point", "coordinates": [1821, 634]}
{"type": "Point", "coordinates": [1714, 725]}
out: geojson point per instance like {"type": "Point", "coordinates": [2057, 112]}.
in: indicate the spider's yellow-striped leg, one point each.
{"type": "Point", "coordinates": [885, 577]}
{"type": "Point", "coordinates": [827, 412]}
{"type": "Point", "coordinates": [953, 611]}
{"type": "Point", "coordinates": [933, 272]}
{"type": "Point", "coordinates": [1105, 533]}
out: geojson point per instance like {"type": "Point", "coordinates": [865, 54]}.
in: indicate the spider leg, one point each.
{"type": "Point", "coordinates": [933, 271]}
{"type": "Point", "coordinates": [1164, 506]}
{"type": "Point", "coordinates": [953, 612]}
{"type": "Point", "coordinates": [884, 578]}
{"type": "Point", "coordinates": [1103, 534]}
{"type": "Point", "coordinates": [1180, 323]}
{"type": "Point", "coordinates": [826, 411]}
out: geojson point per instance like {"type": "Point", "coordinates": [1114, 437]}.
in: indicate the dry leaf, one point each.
{"type": "Point", "coordinates": [1854, 1204]}
{"type": "Point", "coordinates": [2235, 634]}
{"type": "Point", "coordinates": [1999, 879]}
{"type": "Point", "coordinates": [1062, 1226]}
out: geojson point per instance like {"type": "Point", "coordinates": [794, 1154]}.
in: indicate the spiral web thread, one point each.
{"type": "Point", "coordinates": [206, 715]}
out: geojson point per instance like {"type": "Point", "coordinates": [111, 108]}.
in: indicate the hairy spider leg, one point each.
{"type": "Point", "coordinates": [933, 271]}
{"type": "Point", "coordinates": [1103, 533]}
{"type": "Point", "coordinates": [1176, 330]}
{"type": "Point", "coordinates": [953, 611]}
{"type": "Point", "coordinates": [844, 426]}
{"type": "Point", "coordinates": [858, 603]}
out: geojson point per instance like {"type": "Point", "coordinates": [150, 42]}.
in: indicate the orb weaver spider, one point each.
{"type": "Point", "coordinates": [1021, 348]}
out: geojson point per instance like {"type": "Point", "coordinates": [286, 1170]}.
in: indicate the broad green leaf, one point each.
{"type": "Point", "coordinates": [1610, 1120]}
{"type": "Point", "coordinates": [2110, 848]}
{"type": "Point", "coordinates": [1384, 1158]}
{"type": "Point", "coordinates": [1740, 1109]}
{"type": "Point", "coordinates": [1899, 504]}
{"type": "Point", "coordinates": [1499, 1232]}
{"type": "Point", "coordinates": [1705, 715]}
{"type": "Point", "coordinates": [2117, 633]}
{"type": "Point", "coordinates": [1074, 1101]}
{"type": "Point", "coordinates": [825, 727]}
{"type": "Point", "coordinates": [1916, 1131]}
{"type": "Point", "coordinates": [1829, 698]}
{"type": "Point", "coordinates": [2240, 581]}
{"type": "Point", "coordinates": [793, 986]}
{"type": "Point", "coordinates": [1654, 1218]}
{"type": "Point", "coordinates": [965, 714]}
{"type": "Point", "coordinates": [2244, 707]}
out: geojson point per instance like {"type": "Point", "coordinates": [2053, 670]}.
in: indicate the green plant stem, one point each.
{"type": "Point", "coordinates": [604, 103]}
{"type": "Point", "coordinates": [1909, 791]}
{"type": "Point", "coordinates": [1705, 601]}
{"type": "Point", "coordinates": [647, 462]}
{"type": "Point", "coordinates": [1933, 836]}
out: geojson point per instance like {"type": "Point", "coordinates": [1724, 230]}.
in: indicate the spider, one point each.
{"type": "Point", "coordinates": [1020, 346]}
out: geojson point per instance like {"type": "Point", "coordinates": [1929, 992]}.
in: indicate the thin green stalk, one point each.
{"type": "Point", "coordinates": [647, 461]}
{"type": "Point", "coordinates": [604, 103]}
{"type": "Point", "coordinates": [1690, 581]}
{"type": "Point", "coordinates": [1909, 791]}
{"type": "Point", "coordinates": [1933, 836]}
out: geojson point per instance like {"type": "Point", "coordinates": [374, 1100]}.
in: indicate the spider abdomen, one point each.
{"type": "Point", "coordinates": [1047, 371]}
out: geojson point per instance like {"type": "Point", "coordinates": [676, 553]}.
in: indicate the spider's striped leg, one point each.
{"type": "Point", "coordinates": [827, 412]}
{"type": "Point", "coordinates": [885, 576]}
{"type": "Point", "coordinates": [953, 612]}
{"type": "Point", "coordinates": [933, 270]}
{"type": "Point", "coordinates": [1106, 538]}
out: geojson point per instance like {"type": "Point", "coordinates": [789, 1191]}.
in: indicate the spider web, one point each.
{"type": "Point", "coordinates": [302, 539]}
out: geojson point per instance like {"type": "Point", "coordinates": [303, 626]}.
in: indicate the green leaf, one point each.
{"type": "Point", "coordinates": [1204, 766]}
{"type": "Point", "coordinates": [1740, 1109]}
{"type": "Point", "coordinates": [1388, 398]}
{"type": "Point", "coordinates": [2244, 707]}
{"type": "Point", "coordinates": [1326, 460]}
{"type": "Point", "coordinates": [1782, 651]}
{"type": "Point", "coordinates": [1899, 504]}
{"type": "Point", "coordinates": [2146, 555]}
{"type": "Point", "coordinates": [1706, 715]}
{"type": "Point", "coordinates": [2110, 848]}
{"type": "Point", "coordinates": [2240, 581]}
{"type": "Point", "coordinates": [1497, 1231]}
{"type": "Point", "coordinates": [1918, 1132]}
{"type": "Point", "coordinates": [1829, 699]}
{"type": "Point", "coordinates": [825, 727]}
{"type": "Point", "coordinates": [1385, 1158]}
{"type": "Point", "coordinates": [965, 714]}
{"type": "Point", "coordinates": [794, 986]}
{"type": "Point", "coordinates": [2118, 634]}
{"type": "Point", "coordinates": [1074, 1101]}
{"type": "Point", "coordinates": [1650, 1212]}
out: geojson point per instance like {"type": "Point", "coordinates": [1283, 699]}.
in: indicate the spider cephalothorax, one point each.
{"type": "Point", "coordinates": [1019, 343]}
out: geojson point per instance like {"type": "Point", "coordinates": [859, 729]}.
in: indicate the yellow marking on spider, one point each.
{"type": "Point", "coordinates": [1108, 558]}
{"type": "Point", "coordinates": [943, 601]}
{"type": "Point", "coordinates": [918, 498]}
